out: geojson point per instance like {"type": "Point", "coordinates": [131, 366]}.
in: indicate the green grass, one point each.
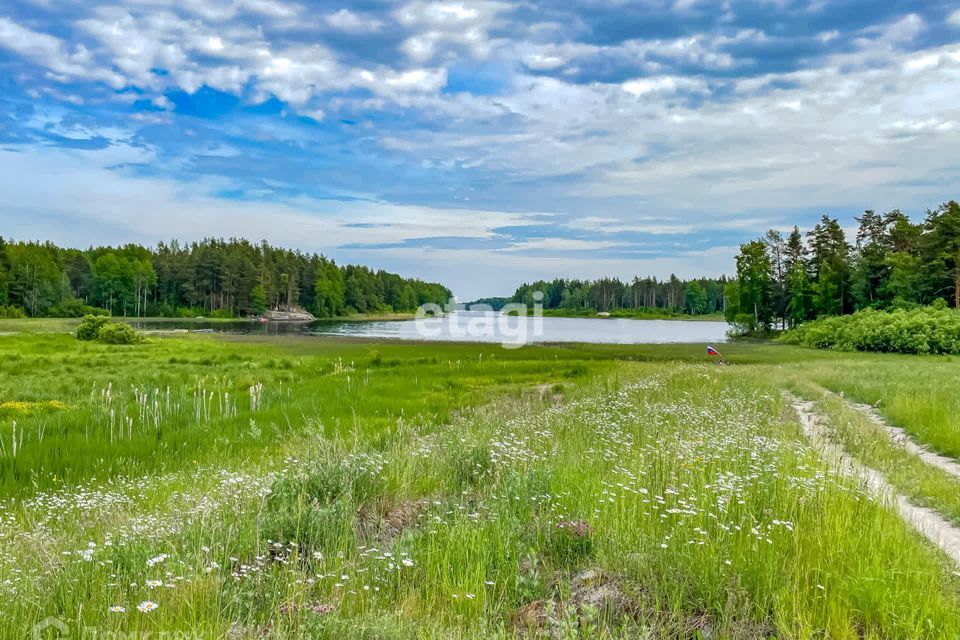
{"type": "Point", "coordinates": [921, 394]}
{"type": "Point", "coordinates": [410, 490]}
{"type": "Point", "coordinates": [66, 325]}
{"type": "Point", "coordinates": [167, 403]}
{"type": "Point", "coordinates": [923, 484]}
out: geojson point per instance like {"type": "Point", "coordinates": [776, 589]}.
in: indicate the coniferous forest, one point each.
{"type": "Point", "coordinates": [894, 263]}
{"type": "Point", "coordinates": [694, 297]}
{"type": "Point", "coordinates": [215, 278]}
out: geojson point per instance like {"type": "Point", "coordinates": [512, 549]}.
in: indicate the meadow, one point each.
{"type": "Point", "coordinates": [244, 487]}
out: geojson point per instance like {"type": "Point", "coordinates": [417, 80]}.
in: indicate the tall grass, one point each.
{"type": "Point", "coordinates": [919, 394]}
{"type": "Point", "coordinates": [869, 443]}
{"type": "Point", "coordinates": [658, 501]}
{"type": "Point", "coordinates": [85, 411]}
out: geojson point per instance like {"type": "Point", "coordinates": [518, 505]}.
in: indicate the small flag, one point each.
{"type": "Point", "coordinates": [711, 351]}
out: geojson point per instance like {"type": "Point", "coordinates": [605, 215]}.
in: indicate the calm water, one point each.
{"type": "Point", "coordinates": [466, 326]}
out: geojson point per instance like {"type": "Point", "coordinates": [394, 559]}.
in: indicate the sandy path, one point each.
{"type": "Point", "coordinates": [927, 522]}
{"type": "Point", "coordinates": [903, 440]}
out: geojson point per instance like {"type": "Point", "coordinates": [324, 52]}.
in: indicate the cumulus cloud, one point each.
{"type": "Point", "coordinates": [438, 25]}
{"type": "Point", "coordinates": [346, 20]}
{"type": "Point", "coordinates": [460, 119]}
{"type": "Point", "coordinates": [50, 52]}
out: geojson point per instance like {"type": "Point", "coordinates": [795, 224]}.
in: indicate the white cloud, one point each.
{"type": "Point", "coordinates": [222, 10]}
{"type": "Point", "coordinates": [653, 226]}
{"type": "Point", "coordinates": [784, 140]}
{"type": "Point", "coordinates": [662, 84]}
{"type": "Point", "coordinates": [903, 30]}
{"type": "Point", "coordinates": [51, 52]}
{"type": "Point", "coordinates": [954, 18]}
{"type": "Point", "coordinates": [94, 203]}
{"type": "Point", "coordinates": [449, 24]}
{"type": "Point", "coordinates": [873, 125]}
{"type": "Point", "coordinates": [346, 20]}
{"type": "Point", "coordinates": [561, 244]}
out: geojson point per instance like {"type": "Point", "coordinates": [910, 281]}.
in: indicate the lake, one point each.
{"type": "Point", "coordinates": [470, 326]}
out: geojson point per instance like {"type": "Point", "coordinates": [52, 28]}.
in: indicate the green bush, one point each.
{"type": "Point", "coordinates": [12, 312]}
{"type": "Point", "coordinates": [933, 329]}
{"type": "Point", "coordinates": [118, 333]}
{"type": "Point", "coordinates": [90, 326]}
{"type": "Point", "coordinates": [75, 308]}
{"type": "Point", "coordinates": [100, 328]}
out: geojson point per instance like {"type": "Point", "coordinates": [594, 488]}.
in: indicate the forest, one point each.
{"type": "Point", "coordinates": [894, 264]}
{"type": "Point", "coordinates": [215, 278]}
{"type": "Point", "coordinates": [695, 297]}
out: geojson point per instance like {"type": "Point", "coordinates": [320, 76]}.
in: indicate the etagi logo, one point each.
{"type": "Point", "coordinates": [513, 326]}
{"type": "Point", "coordinates": [51, 628]}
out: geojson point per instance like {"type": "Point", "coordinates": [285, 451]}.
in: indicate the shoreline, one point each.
{"type": "Point", "coordinates": [619, 315]}
{"type": "Point", "coordinates": [9, 326]}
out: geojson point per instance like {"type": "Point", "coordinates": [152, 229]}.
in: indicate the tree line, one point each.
{"type": "Point", "coordinates": [215, 277]}
{"type": "Point", "coordinates": [893, 264]}
{"type": "Point", "coordinates": [695, 297]}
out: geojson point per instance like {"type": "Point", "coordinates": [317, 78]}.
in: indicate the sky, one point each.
{"type": "Point", "coordinates": [483, 143]}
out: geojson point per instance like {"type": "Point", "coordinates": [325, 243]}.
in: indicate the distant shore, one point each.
{"type": "Point", "coordinates": [629, 314]}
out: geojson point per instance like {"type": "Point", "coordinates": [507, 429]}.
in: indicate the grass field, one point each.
{"type": "Point", "coordinates": [298, 487]}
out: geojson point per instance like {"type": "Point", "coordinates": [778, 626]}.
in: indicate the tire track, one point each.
{"type": "Point", "coordinates": [927, 522]}
{"type": "Point", "coordinates": [902, 439]}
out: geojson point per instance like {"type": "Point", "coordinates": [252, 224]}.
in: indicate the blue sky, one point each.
{"type": "Point", "coordinates": [481, 143]}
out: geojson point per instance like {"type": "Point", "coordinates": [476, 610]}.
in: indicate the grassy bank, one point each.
{"type": "Point", "coordinates": [320, 488]}
{"type": "Point", "coordinates": [64, 325]}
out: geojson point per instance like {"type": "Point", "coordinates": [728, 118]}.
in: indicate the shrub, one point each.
{"type": "Point", "coordinates": [75, 308]}
{"type": "Point", "coordinates": [12, 312]}
{"type": "Point", "coordinates": [924, 330]}
{"type": "Point", "coordinates": [118, 333]}
{"type": "Point", "coordinates": [100, 328]}
{"type": "Point", "coordinates": [90, 326]}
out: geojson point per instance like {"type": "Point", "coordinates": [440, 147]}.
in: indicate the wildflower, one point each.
{"type": "Point", "coordinates": [117, 609]}
{"type": "Point", "coordinates": [154, 584]}
{"type": "Point", "coordinates": [157, 560]}
{"type": "Point", "coordinates": [147, 606]}
{"type": "Point", "coordinates": [407, 562]}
